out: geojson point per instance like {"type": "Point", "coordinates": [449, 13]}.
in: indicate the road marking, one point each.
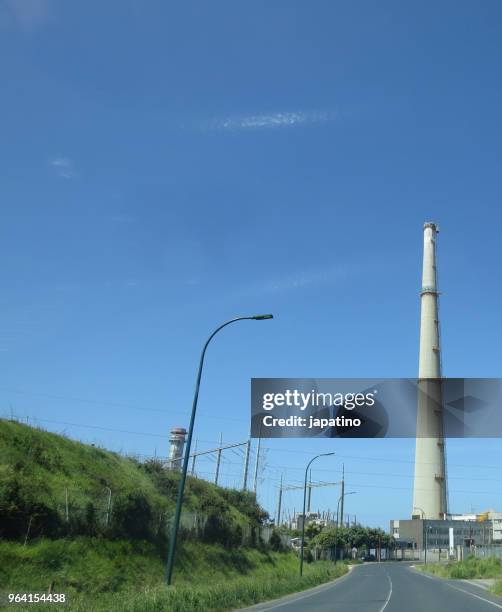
{"type": "Point", "coordinates": [389, 595]}
{"type": "Point", "coordinates": [496, 605]}
{"type": "Point", "coordinates": [493, 603]}
{"type": "Point", "coordinates": [315, 590]}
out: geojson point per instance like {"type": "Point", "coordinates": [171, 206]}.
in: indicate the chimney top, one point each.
{"type": "Point", "coordinates": [433, 226]}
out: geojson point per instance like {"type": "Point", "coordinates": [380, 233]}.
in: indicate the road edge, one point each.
{"type": "Point", "coordinates": [285, 599]}
{"type": "Point", "coordinates": [495, 600]}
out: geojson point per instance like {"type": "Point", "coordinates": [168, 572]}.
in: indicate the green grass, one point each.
{"type": "Point", "coordinates": [39, 469]}
{"type": "Point", "coordinates": [120, 565]}
{"type": "Point", "coordinates": [97, 574]}
{"type": "Point", "coordinates": [490, 567]}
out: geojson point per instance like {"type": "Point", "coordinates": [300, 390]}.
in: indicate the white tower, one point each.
{"type": "Point", "coordinates": [429, 492]}
{"type": "Point", "coordinates": [176, 448]}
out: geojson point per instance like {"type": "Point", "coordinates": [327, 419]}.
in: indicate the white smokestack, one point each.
{"type": "Point", "coordinates": [429, 494]}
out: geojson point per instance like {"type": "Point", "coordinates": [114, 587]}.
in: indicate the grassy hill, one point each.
{"type": "Point", "coordinates": [40, 471]}
{"type": "Point", "coordinates": [116, 560]}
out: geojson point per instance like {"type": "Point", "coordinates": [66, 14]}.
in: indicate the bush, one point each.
{"type": "Point", "coordinates": [275, 542]}
{"type": "Point", "coordinates": [20, 509]}
{"type": "Point", "coordinates": [132, 517]}
{"type": "Point", "coordinates": [221, 531]}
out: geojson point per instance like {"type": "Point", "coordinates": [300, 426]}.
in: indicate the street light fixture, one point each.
{"type": "Point", "coordinates": [181, 487]}
{"type": "Point", "coordinates": [423, 517]}
{"type": "Point", "coordinates": [337, 509]}
{"type": "Point", "coordinates": [428, 529]}
{"type": "Point", "coordinates": [304, 502]}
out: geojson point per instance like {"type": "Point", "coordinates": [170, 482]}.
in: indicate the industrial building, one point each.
{"type": "Point", "coordinates": [435, 534]}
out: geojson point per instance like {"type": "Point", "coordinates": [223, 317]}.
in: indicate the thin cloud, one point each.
{"type": "Point", "coordinates": [271, 121]}
{"type": "Point", "coordinates": [64, 167]}
{"type": "Point", "coordinates": [296, 282]}
{"type": "Point", "coordinates": [29, 14]}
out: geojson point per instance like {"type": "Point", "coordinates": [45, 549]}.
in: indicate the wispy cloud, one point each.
{"type": "Point", "coordinates": [29, 14]}
{"type": "Point", "coordinates": [296, 282]}
{"type": "Point", "coordinates": [64, 167]}
{"type": "Point", "coordinates": [271, 120]}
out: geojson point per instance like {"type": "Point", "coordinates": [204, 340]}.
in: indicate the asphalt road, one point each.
{"type": "Point", "coordinates": [388, 587]}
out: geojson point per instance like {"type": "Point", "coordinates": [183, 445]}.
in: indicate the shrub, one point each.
{"type": "Point", "coordinates": [132, 517]}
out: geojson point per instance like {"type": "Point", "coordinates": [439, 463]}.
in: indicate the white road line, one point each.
{"type": "Point", "coordinates": [315, 591]}
{"type": "Point", "coordinates": [285, 603]}
{"type": "Point", "coordinates": [496, 605]}
{"type": "Point", "coordinates": [389, 595]}
{"type": "Point", "coordinates": [493, 603]}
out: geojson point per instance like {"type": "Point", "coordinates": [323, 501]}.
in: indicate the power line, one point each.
{"type": "Point", "coordinates": [135, 433]}
{"type": "Point", "coordinates": [385, 474]}
{"type": "Point", "coordinates": [120, 405]}
{"type": "Point", "coordinates": [385, 459]}
{"type": "Point", "coordinates": [298, 451]}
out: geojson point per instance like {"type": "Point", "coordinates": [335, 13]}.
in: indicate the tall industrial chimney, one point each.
{"type": "Point", "coordinates": [177, 445]}
{"type": "Point", "coordinates": [429, 492]}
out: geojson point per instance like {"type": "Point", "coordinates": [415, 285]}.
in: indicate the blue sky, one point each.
{"type": "Point", "coordinates": [167, 167]}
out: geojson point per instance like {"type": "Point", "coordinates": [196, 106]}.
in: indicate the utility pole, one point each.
{"type": "Point", "coordinates": [426, 543]}
{"type": "Point", "coordinates": [109, 507]}
{"type": "Point", "coordinates": [218, 460]}
{"type": "Point", "coordinates": [279, 503]}
{"type": "Point", "coordinates": [192, 471]}
{"type": "Point", "coordinates": [246, 466]}
{"type": "Point", "coordinates": [256, 465]}
{"type": "Point", "coordinates": [343, 494]}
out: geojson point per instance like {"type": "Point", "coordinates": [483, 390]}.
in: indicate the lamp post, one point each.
{"type": "Point", "coordinates": [423, 517]}
{"type": "Point", "coordinates": [304, 503]}
{"type": "Point", "coordinates": [181, 487]}
{"type": "Point", "coordinates": [337, 509]}
{"type": "Point", "coordinates": [427, 530]}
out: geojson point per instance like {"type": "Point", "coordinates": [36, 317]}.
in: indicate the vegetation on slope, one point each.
{"type": "Point", "coordinates": [57, 532]}
{"type": "Point", "coordinates": [97, 574]}
{"type": "Point", "coordinates": [53, 487]}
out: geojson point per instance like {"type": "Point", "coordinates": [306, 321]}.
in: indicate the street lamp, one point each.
{"type": "Point", "coordinates": [181, 487]}
{"type": "Point", "coordinates": [423, 516]}
{"type": "Point", "coordinates": [304, 502]}
{"type": "Point", "coordinates": [428, 530]}
{"type": "Point", "coordinates": [337, 510]}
